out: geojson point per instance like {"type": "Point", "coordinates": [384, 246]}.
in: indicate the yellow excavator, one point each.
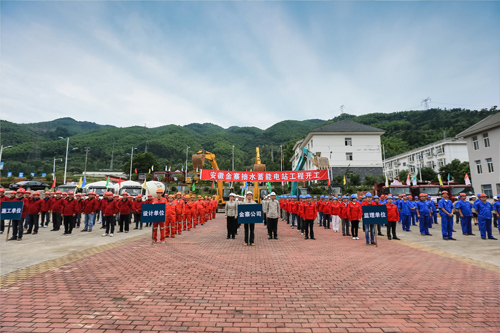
{"type": "Point", "coordinates": [198, 162]}
{"type": "Point", "coordinates": [259, 191]}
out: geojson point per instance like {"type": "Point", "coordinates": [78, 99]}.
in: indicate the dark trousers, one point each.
{"type": "Point", "coordinates": [77, 220]}
{"type": "Point", "coordinates": [33, 222]}
{"type": "Point", "coordinates": [327, 218]}
{"type": "Point", "coordinates": [391, 228]}
{"type": "Point", "coordinates": [272, 227]}
{"type": "Point", "coordinates": [379, 229]}
{"type": "Point", "coordinates": [45, 218]}
{"type": "Point", "coordinates": [137, 220]}
{"type": "Point", "coordinates": [265, 219]}
{"type": "Point", "coordinates": [69, 222]}
{"type": "Point", "coordinates": [232, 225]}
{"type": "Point", "coordinates": [345, 227]}
{"type": "Point", "coordinates": [56, 221]}
{"type": "Point", "coordinates": [354, 228]}
{"type": "Point", "coordinates": [124, 220]}
{"type": "Point", "coordinates": [17, 229]}
{"type": "Point", "coordinates": [249, 235]}
{"type": "Point", "coordinates": [308, 228]}
{"type": "Point", "coordinates": [2, 225]}
{"type": "Point", "coordinates": [110, 223]}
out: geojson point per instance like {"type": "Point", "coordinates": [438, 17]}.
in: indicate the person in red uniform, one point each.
{"type": "Point", "coordinates": [109, 209]}
{"type": "Point", "coordinates": [159, 225]}
{"type": "Point", "coordinates": [344, 217]}
{"type": "Point", "coordinates": [310, 213]}
{"type": "Point", "coordinates": [89, 207]}
{"type": "Point", "coordinates": [79, 209]}
{"type": "Point", "coordinates": [170, 216]}
{"type": "Point", "coordinates": [200, 210]}
{"type": "Point", "coordinates": [57, 204]}
{"type": "Point", "coordinates": [188, 212]}
{"type": "Point", "coordinates": [34, 211]}
{"type": "Point", "coordinates": [68, 212]}
{"type": "Point", "coordinates": [124, 208]}
{"type": "Point", "coordinates": [45, 215]}
{"type": "Point", "coordinates": [3, 198]}
{"type": "Point", "coordinates": [392, 218]}
{"type": "Point", "coordinates": [17, 225]}
{"type": "Point", "coordinates": [300, 213]}
{"type": "Point", "coordinates": [136, 209]}
{"type": "Point", "coordinates": [354, 213]}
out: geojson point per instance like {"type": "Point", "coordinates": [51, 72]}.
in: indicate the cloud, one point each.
{"type": "Point", "coordinates": [244, 64]}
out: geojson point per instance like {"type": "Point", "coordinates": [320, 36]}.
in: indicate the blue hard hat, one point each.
{"type": "Point", "coordinates": [353, 196]}
{"type": "Point", "coordinates": [364, 196]}
{"type": "Point", "coordinates": [498, 196]}
{"type": "Point", "coordinates": [368, 194]}
{"type": "Point", "coordinates": [315, 197]}
{"type": "Point", "coordinates": [390, 197]}
{"type": "Point", "coordinates": [478, 195]}
{"type": "Point", "coordinates": [308, 196]}
{"type": "Point", "coordinates": [375, 197]}
{"type": "Point", "coordinates": [321, 197]}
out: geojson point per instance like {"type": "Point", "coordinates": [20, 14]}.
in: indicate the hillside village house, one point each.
{"type": "Point", "coordinates": [433, 155]}
{"type": "Point", "coordinates": [348, 145]}
{"type": "Point", "coordinates": [483, 146]}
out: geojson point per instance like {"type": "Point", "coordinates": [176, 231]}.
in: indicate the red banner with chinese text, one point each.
{"type": "Point", "coordinates": [263, 176]}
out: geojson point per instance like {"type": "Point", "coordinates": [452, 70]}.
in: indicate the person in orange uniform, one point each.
{"type": "Point", "coordinates": [354, 213]}
{"type": "Point", "coordinates": [214, 204]}
{"type": "Point", "coordinates": [194, 210]}
{"type": "Point", "coordinates": [159, 225]}
{"type": "Point", "coordinates": [201, 210]}
{"type": "Point", "coordinates": [170, 215]}
{"type": "Point", "coordinates": [188, 212]}
{"type": "Point", "coordinates": [179, 212]}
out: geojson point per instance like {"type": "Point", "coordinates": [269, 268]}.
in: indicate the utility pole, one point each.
{"type": "Point", "coordinates": [281, 160]}
{"type": "Point", "coordinates": [341, 109]}
{"type": "Point", "coordinates": [233, 157]}
{"type": "Point", "coordinates": [112, 152]}
{"type": "Point", "coordinates": [426, 102]}
{"type": "Point", "coordinates": [187, 152]}
{"type": "Point", "coordinates": [87, 149]}
{"type": "Point", "coordinates": [66, 162]}
{"type": "Point", "coordinates": [272, 155]}
{"type": "Point", "coordinates": [131, 159]}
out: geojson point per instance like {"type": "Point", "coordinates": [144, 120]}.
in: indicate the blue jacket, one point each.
{"type": "Point", "coordinates": [405, 207]}
{"type": "Point", "coordinates": [483, 210]}
{"type": "Point", "coordinates": [496, 206]}
{"type": "Point", "coordinates": [423, 207]}
{"type": "Point", "coordinates": [445, 205]}
{"type": "Point", "coordinates": [464, 206]}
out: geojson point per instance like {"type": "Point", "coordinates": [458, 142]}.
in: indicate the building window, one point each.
{"type": "Point", "coordinates": [442, 162]}
{"type": "Point", "coordinates": [489, 161]}
{"type": "Point", "coordinates": [412, 169]}
{"type": "Point", "coordinates": [404, 163]}
{"type": "Point", "coordinates": [479, 167]}
{"type": "Point", "coordinates": [486, 140]}
{"type": "Point", "coordinates": [475, 142]}
{"type": "Point", "coordinates": [348, 141]}
{"type": "Point", "coordinates": [411, 158]}
{"type": "Point", "coordinates": [312, 144]}
{"type": "Point", "coordinates": [348, 156]}
{"type": "Point", "coordinates": [498, 188]}
{"type": "Point", "coordinates": [486, 189]}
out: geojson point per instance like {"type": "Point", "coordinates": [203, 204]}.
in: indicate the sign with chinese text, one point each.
{"type": "Point", "coordinates": [11, 210]}
{"type": "Point", "coordinates": [153, 213]}
{"type": "Point", "coordinates": [263, 176]}
{"type": "Point", "coordinates": [375, 214]}
{"type": "Point", "coordinates": [250, 213]}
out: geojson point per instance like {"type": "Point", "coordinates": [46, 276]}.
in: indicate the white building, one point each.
{"type": "Point", "coordinates": [433, 155]}
{"type": "Point", "coordinates": [483, 146]}
{"type": "Point", "coordinates": [348, 145]}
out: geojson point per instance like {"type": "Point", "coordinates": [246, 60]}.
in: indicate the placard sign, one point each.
{"type": "Point", "coordinates": [11, 210]}
{"type": "Point", "coordinates": [251, 213]}
{"type": "Point", "coordinates": [375, 214]}
{"type": "Point", "coordinates": [153, 213]}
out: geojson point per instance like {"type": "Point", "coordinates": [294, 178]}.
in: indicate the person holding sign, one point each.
{"type": "Point", "coordinates": [392, 218]}
{"type": "Point", "coordinates": [17, 225]}
{"type": "Point", "coordinates": [231, 212]}
{"type": "Point", "coordinates": [272, 213]}
{"type": "Point", "coordinates": [162, 225]}
{"type": "Point", "coordinates": [249, 227]}
{"type": "Point", "coordinates": [3, 197]}
{"type": "Point", "coordinates": [369, 228]}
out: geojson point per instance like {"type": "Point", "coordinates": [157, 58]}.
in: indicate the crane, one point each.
{"type": "Point", "coordinates": [198, 163]}
{"type": "Point", "coordinates": [304, 156]}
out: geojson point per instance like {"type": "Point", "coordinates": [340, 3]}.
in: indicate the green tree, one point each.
{"type": "Point", "coordinates": [142, 162]}
{"type": "Point", "coordinates": [370, 180]}
{"type": "Point", "coordinates": [403, 174]}
{"type": "Point", "coordinates": [428, 174]}
{"type": "Point", "coordinates": [456, 170]}
{"type": "Point", "coordinates": [354, 178]}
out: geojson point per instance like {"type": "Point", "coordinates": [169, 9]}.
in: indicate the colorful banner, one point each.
{"type": "Point", "coordinates": [264, 176]}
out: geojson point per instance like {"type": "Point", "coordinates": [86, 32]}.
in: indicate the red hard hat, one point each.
{"type": "Point", "coordinates": [139, 196]}
{"type": "Point", "coordinates": [64, 193]}
{"type": "Point", "coordinates": [21, 190]}
{"type": "Point", "coordinates": [462, 194]}
{"type": "Point", "coordinates": [13, 192]}
{"type": "Point", "coordinates": [47, 192]}
{"type": "Point", "coordinates": [444, 192]}
{"type": "Point", "coordinates": [2, 189]}
{"type": "Point", "coordinates": [422, 195]}
{"type": "Point", "coordinates": [409, 197]}
{"type": "Point", "coordinates": [483, 195]}
{"type": "Point", "coordinates": [58, 192]}
{"type": "Point", "coordinates": [71, 192]}
{"type": "Point", "coordinates": [29, 192]}
{"type": "Point", "coordinates": [36, 193]}
{"type": "Point", "coordinates": [124, 194]}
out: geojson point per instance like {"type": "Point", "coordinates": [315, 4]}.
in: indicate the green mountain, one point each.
{"type": "Point", "coordinates": [36, 145]}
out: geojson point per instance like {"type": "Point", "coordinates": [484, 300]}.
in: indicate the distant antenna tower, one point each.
{"type": "Point", "coordinates": [426, 102]}
{"type": "Point", "coordinates": [341, 109]}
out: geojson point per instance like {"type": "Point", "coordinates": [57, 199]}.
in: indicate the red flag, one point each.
{"type": "Point", "coordinates": [135, 170]}
{"type": "Point", "coordinates": [120, 181]}
{"type": "Point", "coordinates": [54, 182]}
{"type": "Point", "coordinates": [213, 184]}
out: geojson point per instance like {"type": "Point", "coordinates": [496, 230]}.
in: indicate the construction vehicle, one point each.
{"type": "Point", "coordinates": [259, 192]}
{"type": "Point", "coordinates": [306, 154]}
{"type": "Point", "coordinates": [198, 163]}
{"type": "Point", "coordinates": [131, 187]}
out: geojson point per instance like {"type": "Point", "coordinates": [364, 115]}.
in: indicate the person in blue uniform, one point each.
{"type": "Point", "coordinates": [464, 209]}
{"type": "Point", "coordinates": [434, 212]}
{"type": "Point", "coordinates": [405, 213]}
{"type": "Point", "coordinates": [484, 209]}
{"type": "Point", "coordinates": [424, 215]}
{"type": "Point", "coordinates": [413, 211]}
{"type": "Point", "coordinates": [446, 212]}
{"type": "Point", "coordinates": [496, 209]}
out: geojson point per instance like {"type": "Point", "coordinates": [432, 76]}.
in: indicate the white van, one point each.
{"type": "Point", "coordinates": [72, 186]}
{"type": "Point", "coordinates": [131, 187]}
{"type": "Point", "coordinates": [100, 187]}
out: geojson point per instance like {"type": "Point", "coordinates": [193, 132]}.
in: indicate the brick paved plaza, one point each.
{"type": "Point", "coordinates": [202, 282]}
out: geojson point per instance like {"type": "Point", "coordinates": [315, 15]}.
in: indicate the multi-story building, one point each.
{"type": "Point", "coordinates": [433, 155]}
{"type": "Point", "coordinates": [348, 145]}
{"type": "Point", "coordinates": [483, 146]}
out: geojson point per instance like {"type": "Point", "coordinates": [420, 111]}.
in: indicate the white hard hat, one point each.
{"type": "Point", "coordinates": [232, 195]}
{"type": "Point", "coordinates": [272, 193]}
{"type": "Point", "coordinates": [249, 192]}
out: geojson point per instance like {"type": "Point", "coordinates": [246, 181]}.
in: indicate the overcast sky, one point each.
{"type": "Point", "coordinates": [243, 64]}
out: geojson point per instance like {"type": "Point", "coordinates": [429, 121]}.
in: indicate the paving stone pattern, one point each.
{"type": "Point", "coordinates": [202, 282]}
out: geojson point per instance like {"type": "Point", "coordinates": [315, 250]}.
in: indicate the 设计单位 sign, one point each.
{"type": "Point", "coordinates": [11, 210]}
{"type": "Point", "coordinates": [251, 213]}
{"type": "Point", "coordinates": [375, 214]}
{"type": "Point", "coordinates": [153, 213]}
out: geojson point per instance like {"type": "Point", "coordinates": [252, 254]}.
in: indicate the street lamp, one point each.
{"type": "Point", "coordinates": [54, 167]}
{"type": "Point", "coordinates": [187, 151]}
{"type": "Point", "coordinates": [66, 162]}
{"type": "Point", "coordinates": [131, 158]}
{"type": "Point", "coordinates": [1, 151]}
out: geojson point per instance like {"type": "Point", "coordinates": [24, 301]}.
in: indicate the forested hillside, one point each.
{"type": "Point", "coordinates": [34, 146]}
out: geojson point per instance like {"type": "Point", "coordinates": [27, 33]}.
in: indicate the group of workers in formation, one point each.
{"type": "Point", "coordinates": [184, 212]}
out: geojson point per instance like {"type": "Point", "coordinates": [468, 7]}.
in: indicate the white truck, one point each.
{"type": "Point", "coordinates": [72, 186]}
{"type": "Point", "coordinates": [131, 187]}
{"type": "Point", "coordinates": [100, 187]}
{"type": "Point", "coordinates": [151, 188]}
